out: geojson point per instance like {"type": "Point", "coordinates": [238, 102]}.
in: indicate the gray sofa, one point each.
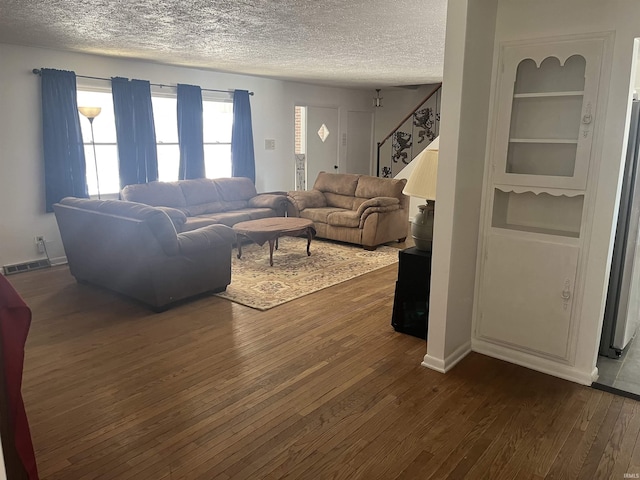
{"type": "Point", "coordinates": [360, 209]}
{"type": "Point", "coordinates": [134, 249]}
{"type": "Point", "coordinates": [193, 204]}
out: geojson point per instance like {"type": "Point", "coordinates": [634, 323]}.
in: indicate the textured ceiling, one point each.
{"type": "Point", "coordinates": [354, 43]}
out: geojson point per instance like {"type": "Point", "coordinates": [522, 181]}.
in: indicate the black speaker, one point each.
{"type": "Point", "coordinates": [411, 300]}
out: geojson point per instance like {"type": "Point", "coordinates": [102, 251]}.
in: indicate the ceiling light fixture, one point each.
{"type": "Point", "coordinates": [377, 100]}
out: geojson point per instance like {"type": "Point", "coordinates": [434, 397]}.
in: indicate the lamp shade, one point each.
{"type": "Point", "coordinates": [422, 181]}
{"type": "Point", "coordinates": [90, 112]}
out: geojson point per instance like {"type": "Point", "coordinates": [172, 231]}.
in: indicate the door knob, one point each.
{"type": "Point", "coordinates": [566, 294]}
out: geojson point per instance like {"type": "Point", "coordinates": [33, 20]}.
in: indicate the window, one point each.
{"type": "Point", "coordinates": [217, 119]}
{"type": "Point", "coordinates": [165, 120]}
{"type": "Point", "coordinates": [106, 180]}
{"type": "Point", "coordinates": [217, 122]}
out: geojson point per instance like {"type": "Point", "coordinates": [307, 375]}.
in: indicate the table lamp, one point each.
{"type": "Point", "coordinates": [422, 184]}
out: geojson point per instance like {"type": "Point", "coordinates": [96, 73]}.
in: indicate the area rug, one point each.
{"type": "Point", "coordinates": [255, 284]}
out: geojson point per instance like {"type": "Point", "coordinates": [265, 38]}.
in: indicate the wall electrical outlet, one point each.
{"type": "Point", "coordinates": [269, 144]}
{"type": "Point", "coordinates": [40, 243]}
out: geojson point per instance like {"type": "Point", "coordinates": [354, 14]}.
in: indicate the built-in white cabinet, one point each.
{"type": "Point", "coordinates": [547, 107]}
{"type": "Point", "coordinates": [536, 189]}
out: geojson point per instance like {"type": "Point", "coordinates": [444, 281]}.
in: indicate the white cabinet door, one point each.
{"type": "Point", "coordinates": [546, 112]}
{"type": "Point", "coordinates": [526, 294]}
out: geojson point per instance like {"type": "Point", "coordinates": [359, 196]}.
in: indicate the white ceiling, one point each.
{"type": "Point", "coordinates": [351, 43]}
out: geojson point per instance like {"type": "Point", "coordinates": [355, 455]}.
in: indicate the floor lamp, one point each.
{"type": "Point", "coordinates": [422, 184]}
{"type": "Point", "coordinates": [91, 113]}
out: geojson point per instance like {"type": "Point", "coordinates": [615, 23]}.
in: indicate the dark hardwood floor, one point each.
{"type": "Point", "coordinates": [321, 387]}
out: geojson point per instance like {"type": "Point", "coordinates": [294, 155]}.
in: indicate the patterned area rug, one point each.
{"type": "Point", "coordinates": [255, 284]}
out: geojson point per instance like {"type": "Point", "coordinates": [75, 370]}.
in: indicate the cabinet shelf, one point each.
{"type": "Point", "coordinates": [544, 231]}
{"type": "Point", "coordinates": [577, 93]}
{"type": "Point", "coordinates": [537, 212]}
{"type": "Point", "coordinates": [555, 192]}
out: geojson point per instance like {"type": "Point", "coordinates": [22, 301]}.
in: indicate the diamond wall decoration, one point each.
{"type": "Point", "coordinates": [323, 133]}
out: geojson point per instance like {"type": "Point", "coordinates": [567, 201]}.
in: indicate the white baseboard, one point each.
{"type": "Point", "coordinates": [548, 366]}
{"type": "Point", "coordinates": [58, 261]}
{"type": "Point", "coordinates": [443, 366]}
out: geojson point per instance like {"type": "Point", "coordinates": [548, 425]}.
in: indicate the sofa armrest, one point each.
{"type": "Point", "coordinates": [378, 202]}
{"type": "Point", "coordinates": [269, 200]}
{"type": "Point", "coordinates": [211, 236]}
{"type": "Point", "coordinates": [178, 217]}
{"type": "Point", "coordinates": [377, 205]}
{"type": "Point", "coordinates": [301, 199]}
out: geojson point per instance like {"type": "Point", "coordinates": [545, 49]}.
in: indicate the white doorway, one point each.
{"type": "Point", "coordinates": [359, 140]}
{"type": "Point", "coordinates": [316, 143]}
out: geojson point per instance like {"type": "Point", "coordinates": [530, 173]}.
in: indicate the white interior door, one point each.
{"type": "Point", "coordinates": [359, 141]}
{"type": "Point", "coordinates": [322, 142]}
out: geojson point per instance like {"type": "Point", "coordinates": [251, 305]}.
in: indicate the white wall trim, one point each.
{"type": "Point", "coordinates": [450, 361]}
{"type": "Point", "coordinates": [55, 261]}
{"type": "Point", "coordinates": [550, 367]}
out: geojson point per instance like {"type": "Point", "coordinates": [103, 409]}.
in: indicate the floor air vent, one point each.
{"type": "Point", "coordinates": [26, 266]}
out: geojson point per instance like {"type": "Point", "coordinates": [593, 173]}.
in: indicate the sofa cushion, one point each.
{"type": "Point", "coordinates": [341, 183]}
{"type": "Point", "coordinates": [320, 214]}
{"type": "Point", "coordinates": [340, 201]}
{"type": "Point", "coordinates": [235, 189]}
{"type": "Point", "coordinates": [346, 218]}
{"type": "Point", "coordinates": [256, 213]}
{"type": "Point", "coordinates": [156, 194]}
{"type": "Point", "coordinates": [369, 187]}
{"type": "Point", "coordinates": [199, 191]}
{"type": "Point", "coordinates": [224, 218]}
{"type": "Point", "coordinates": [203, 208]}
{"type": "Point", "coordinates": [235, 205]}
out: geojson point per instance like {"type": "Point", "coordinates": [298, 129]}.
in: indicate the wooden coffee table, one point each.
{"type": "Point", "coordinates": [270, 229]}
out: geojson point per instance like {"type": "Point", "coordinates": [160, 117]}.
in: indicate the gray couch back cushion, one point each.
{"type": "Point", "coordinates": [235, 189]}
{"type": "Point", "coordinates": [202, 196]}
{"type": "Point", "coordinates": [201, 190]}
{"type": "Point", "coordinates": [156, 194]}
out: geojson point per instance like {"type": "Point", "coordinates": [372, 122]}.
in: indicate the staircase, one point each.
{"type": "Point", "coordinates": [410, 137]}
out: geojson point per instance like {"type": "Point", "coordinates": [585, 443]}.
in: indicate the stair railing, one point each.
{"type": "Point", "coordinates": [411, 136]}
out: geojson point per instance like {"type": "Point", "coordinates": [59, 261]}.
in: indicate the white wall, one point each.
{"type": "Point", "coordinates": [464, 114]}
{"type": "Point", "coordinates": [21, 164]}
{"type": "Point", "coordinates": [519, 20]}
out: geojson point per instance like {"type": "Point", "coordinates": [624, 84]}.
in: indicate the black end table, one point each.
{"type": "Point", "coordinates": [411, 301]}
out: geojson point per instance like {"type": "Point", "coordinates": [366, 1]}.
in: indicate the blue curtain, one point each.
{"type": "Point", "coordinates": [135, 131]}
{"type": "Point", "coordinates": [243, 162]}
{"type": "Point", "coordinates": [190, 135]}
{"type": "Point", "coordinates": [65, 169]}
